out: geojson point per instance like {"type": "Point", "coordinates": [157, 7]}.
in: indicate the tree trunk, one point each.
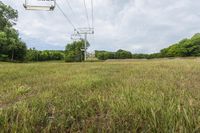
{"type": "Point", "coordinates": [12, 55]}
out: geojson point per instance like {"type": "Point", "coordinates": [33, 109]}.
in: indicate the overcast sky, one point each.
{"type": "Point", "coordinates": [140, 26]}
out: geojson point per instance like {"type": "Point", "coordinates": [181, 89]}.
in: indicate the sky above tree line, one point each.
{"type": "Point", "coordinates": [140, 26]}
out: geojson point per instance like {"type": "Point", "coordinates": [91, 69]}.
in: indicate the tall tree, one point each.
{"type": "Point", "coordinates": [8, 16]}
{"type": "Point", "coordinates": [11, 45]}
{"type": "Point", "coordinates": [122, 54]}
{"type": "Point", "coordinates": [74, 51]}
{"type": "Point", "coordinates": [186, 47]}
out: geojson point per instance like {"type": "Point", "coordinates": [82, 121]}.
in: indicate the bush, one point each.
{"type": "Point", "coordinates": [104, 55]}
{"type": "Point", "coordinates": [47, 55]}
{"type": "Point", "coordinates": [73, 51]}
{"type": "Point", "coordinates": [120, 54]}
{"type": "Point", "coordinates": [4, 57]}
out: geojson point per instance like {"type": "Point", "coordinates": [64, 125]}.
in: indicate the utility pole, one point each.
{"type": "Point", "coordinates": [85, 49]}
{"type": "Point", "coordinates": [85, 32]}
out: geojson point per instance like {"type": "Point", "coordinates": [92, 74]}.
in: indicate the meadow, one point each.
{"type": "Point", "coordinates": [160, 96]}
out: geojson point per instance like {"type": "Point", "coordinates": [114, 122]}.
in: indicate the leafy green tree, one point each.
{"type": "Point", "coordinates": [32, 54]}
{"type": "Point", "coordinates": [185, 48]}
{"type": "Point", "coordinates": [74, 51]}
{"type": "Point", "coordinates": [122, 54]}
{"type": "Point", "coordinates": [104, 55]}
{"type": "Point", "coordinates": [8, 16]}
{"type": "Point", "coordinates": [11, 46]}
{"type": "Point", "coordinates": [47, 55]}
{"type": "Point", "coordinates": [3, 42]}
{"type": "Point", "coordinates": [194, 46]}
{"type": "Point", "coordinates": [140, 56]}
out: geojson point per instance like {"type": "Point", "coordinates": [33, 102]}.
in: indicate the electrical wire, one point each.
{"type": "Point", "coordinates": [67, 18]}
{"type": "Point", "coordinates": [69, 5]}
{"type": "Point", "coordinates": [71, 8]}
{"type": "Point", "coordinates": [92, 6]}
{"type": "Point", "coordinates": [86, 11]}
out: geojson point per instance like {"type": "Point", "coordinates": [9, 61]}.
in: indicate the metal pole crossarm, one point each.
{"type": "Point", "coordinates": [85, 30]}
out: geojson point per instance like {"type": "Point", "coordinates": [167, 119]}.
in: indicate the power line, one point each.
{"type": "Point", "coordinates": [87, 17]}
{"type": "Point", "coordinates": [92, 6]}
{"type": "Point", "coordinates": [69, 5]}
{"type": "Point", "coordinates": [67, 18]}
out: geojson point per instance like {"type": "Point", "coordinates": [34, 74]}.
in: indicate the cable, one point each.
{"type": "Point", "coordinates": [69, 5]}
{"type": "Point", "coordinates": [92, 5]}
{"type": "Point", "coordinates": [67, 18]}
{"type": "Point", "coordinates": [86, 13]}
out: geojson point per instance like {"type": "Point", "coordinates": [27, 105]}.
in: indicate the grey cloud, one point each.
{"type": "Point", "coordinates": [136, 25]}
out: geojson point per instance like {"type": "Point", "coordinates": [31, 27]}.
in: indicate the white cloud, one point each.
{"type": "Point", "coordinates": [134, 25]}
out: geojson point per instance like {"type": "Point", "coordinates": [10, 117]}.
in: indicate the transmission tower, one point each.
{"type": "Point", "coordinates": [85, 32]}
{"type": "Point", "coordinates": [49, 5]}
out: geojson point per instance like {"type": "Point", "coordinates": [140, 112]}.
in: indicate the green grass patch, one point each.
{"type": "Point", "coordinates": [137, 96]}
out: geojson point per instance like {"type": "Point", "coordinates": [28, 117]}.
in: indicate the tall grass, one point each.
{"type": "Point", "coordinates": [158, 96]}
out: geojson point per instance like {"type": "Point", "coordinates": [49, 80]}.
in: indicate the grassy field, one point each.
{"type": "Point", "coordinates": [160, 96]}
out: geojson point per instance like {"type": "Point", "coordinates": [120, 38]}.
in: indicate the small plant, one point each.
{"type": "Point", "coordinates": [21, 90]}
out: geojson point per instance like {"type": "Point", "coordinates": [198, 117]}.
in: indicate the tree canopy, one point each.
{"type": "Point", "coordinates": [11, 46]}
{"type": "Point", "coordinates": [120, 54]}
{"type": "Point", "coordinates": [184, 48]}
{"type": "Point", "coordinates": [8, 16]}
{"type": "Point", "coordinates": [74, 52]}
{"type": "Point", "coordinates": [46, 55]}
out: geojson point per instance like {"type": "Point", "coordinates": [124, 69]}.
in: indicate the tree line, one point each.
{"type": "Point", "coordinates": [12, 48]}
{"type": "Point", "coordinates": [184, 48]}
{"type": "Point", "coordinates": [46, 55]}
{"type": "Point", "coordinates": [123, 54]}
